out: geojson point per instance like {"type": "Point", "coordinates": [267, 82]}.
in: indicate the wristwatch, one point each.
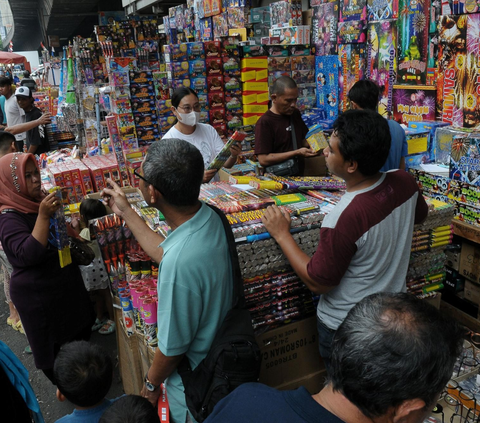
{"type": "Point", "coordinates": [149, 385]}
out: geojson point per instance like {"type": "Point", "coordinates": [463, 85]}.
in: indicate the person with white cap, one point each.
{"type": "Point", "coordinates": [36, 141]}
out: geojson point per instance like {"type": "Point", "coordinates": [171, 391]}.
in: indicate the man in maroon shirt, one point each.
{"type": "Point", "coordinates": [273, 131]}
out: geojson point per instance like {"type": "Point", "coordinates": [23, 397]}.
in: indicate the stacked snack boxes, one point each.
{"type": "Point", "coordinates": [254, 76]}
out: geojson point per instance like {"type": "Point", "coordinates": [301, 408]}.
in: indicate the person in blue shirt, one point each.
{"type": "Point", "coordinates": [83, 373]}
{"type": "Point", "coordinates": [365, 94]}
{"type": "Point", "coordinates": [195, 278]}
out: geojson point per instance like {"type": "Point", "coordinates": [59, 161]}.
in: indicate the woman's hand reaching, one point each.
{"type": "Point", "coordinates": [49, 205]}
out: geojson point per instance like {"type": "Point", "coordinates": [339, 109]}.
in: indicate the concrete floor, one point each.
{"type": "Point", "coordinates": [51, 408]}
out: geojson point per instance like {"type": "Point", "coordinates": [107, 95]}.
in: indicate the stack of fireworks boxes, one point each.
{"type": "Point", "coordinates": [123, 124]}
{"type": "Point", "coordinates": [186, 67]}
{"type": "Point", "coordinates": [286, 22]}
{"type": "Point", "coordinates": [255, 97]}
{"type": "Point", "coordinates": [74, 177]}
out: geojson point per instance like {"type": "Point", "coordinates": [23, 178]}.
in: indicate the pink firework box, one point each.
{"type": "Point", "coordinates": [381, 60]}
{"type": "Point", "coordinates": [413, 103]}
{"type": "Point", "coordinates": [452, 37]}
{"type": "Point", "coordinates": [77, 181]}
{"type": "Point", "coordinates": [352, 59]}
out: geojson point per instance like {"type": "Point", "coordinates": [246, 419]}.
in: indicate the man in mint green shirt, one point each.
{"type": "Point", "coordinates": [195, 280]}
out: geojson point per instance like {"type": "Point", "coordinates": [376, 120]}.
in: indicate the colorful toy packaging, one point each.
{"type": "Point", "coordinates": [412, 27]}
{"type": "Point", "coordinates": [381, 61]}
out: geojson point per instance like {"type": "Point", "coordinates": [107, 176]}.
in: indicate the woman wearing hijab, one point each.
{"type": "Point", "coordinates": [52, 301]}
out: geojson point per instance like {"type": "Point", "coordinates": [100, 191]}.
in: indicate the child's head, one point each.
{"type": "Point", "coordinates": [7, 143]}
{"type": "Point", "coordinates": [83, 372]}
{"type": "Point", "coordinates": [130, 409]}
{"type": "Point", "coordinates": [92, 209]}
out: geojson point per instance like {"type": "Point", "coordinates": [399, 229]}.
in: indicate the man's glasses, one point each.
{"type": "Point", "coordinates": [145, 180]}
{"type": "Point", "coordinates": [188, 109]}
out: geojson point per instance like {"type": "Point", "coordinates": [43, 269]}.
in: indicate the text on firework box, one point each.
{"type": "Point", "coordinates": [470, 262]}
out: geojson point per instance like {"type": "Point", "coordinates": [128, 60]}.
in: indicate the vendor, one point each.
{"type": "Point", "coordinates": [186, 108]}
{"type": "Point", "coordinates": [273, 131]}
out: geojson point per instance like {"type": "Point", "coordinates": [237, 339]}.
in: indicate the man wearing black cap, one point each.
{"type": "Point", "coordinates": [36, 141]}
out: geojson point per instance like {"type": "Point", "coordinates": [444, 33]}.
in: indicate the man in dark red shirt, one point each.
{"type": "Point", "coordinates": [273, 131]}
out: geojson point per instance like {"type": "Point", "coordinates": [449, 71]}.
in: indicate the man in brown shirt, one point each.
{"type": "Point", "coordinates": [273, 132]}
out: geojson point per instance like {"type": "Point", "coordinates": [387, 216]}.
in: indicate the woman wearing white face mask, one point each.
{"type": "Point", "coordinates": [186, 108]}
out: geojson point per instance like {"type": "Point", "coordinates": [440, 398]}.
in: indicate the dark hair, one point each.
{"type": "Point", "coordinates": [365, 93]}
{"type": "Point", "coordinates": [6, 139]}
{"type": "Point", "coordinates": [26, 74]}
{"type": "Point", "coordinates": [83, 372]}
{"type": "Point", "coordinates": [176, 167]}
{"type": "Point", "coordinates": [365, 138]}
{"type": "Point", "coordinates": [181, 92]}
{"type": "Point", "coordinates": [392, 348]}
{"type": "Point", "coordinates": [91, 208]}
{"type": "Point", "coordinates": [281, 84]}
{"type": "Point", "coordinates": [130, 409]}
{"type": "Point", "coordinates": [5, 80]}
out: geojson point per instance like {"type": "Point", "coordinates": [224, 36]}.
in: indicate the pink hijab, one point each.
{"type": "Point", "coordinates": [13, 186]}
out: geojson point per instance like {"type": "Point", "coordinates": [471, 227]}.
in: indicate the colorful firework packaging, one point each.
{"type": "Point", "coordinates": [378, 10]}
{"type": "Point", "coordinates": [465, 159]}
{"type": "Point", "coordinates": [352, 68]}
{"type": "Point", "coordinates": [413, 103]}
{"type": "Point", "coordinates": [413, 28]}
{"type": "Point", "coordinates": [382, 60]}
{"type": "Point", "coordinates": [452, 50]}
{"type": "Point", "coordinates": [327, 82]}
{"type": "Point", "coordinates": [324, 28]}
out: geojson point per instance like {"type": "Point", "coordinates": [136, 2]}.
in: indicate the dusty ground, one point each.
{"type": "Point", "coordinates": [51, 408]}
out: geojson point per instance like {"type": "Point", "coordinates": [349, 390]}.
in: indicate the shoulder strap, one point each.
{"type": "Point", "coordinates": [294, 137]}
{"type": "Point", "coordinates": [238, 294]}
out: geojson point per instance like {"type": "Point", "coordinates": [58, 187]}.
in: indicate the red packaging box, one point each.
{"type": "Point", "coordinates": [216, 100]}
{"type": "Point", "coordinates": [214, 66]}
{"type": "Point", "coordinates": [215, 84]}
{"type": "Point", "coordinates": [212, 49]}
{"type": "Point", "coordinates": [217, 117]}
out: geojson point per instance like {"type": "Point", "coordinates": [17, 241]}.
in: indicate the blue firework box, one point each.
{"type": "Point", "coordinates": [326, 75]}
{"type": "Point", "coordinates": [465, 159]}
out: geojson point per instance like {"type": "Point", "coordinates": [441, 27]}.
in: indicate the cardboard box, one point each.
{"type": "Point", "coordinates": [290, 353]}
{"type": "Point", "coordinates": [470, 262]}
{"type": "Point", "coordinates": [453, 259]}
{"type": "Point", "coordinates": [129, 360]}
{"type": "Point", "coordinates": [472, 292]}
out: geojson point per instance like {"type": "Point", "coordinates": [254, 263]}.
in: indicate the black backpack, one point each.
{"type": "Point", "coordinates": [234, 356]}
